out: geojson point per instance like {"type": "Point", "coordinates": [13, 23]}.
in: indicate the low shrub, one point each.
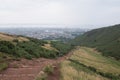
{"type": "Point", "coordinates": [42, 77]}
{"type": "Point", "coordinates": [3, 66]}
{"type": "Point", "coordinates": [16, 40]}
{"type": "Point", "coordinates": [33, 49]}
{"type": "Point", "coordinates": [48, 69]}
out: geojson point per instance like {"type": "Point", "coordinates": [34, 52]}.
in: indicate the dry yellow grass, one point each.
{"type": "Point", "coordinates": [92, 58]}
{"type": "Point", "coordinates": [70, 73]}
{"type": "Point", "coordinates": [7, 37]}
{"type": "Point", "coordinates": [88, 57]}
{"type": "Point", "coordinates": [22, 39]}
{"type": "Point", "coordinates": [49, 47]}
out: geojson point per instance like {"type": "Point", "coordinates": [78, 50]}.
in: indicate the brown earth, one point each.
{"type": "Point", "coordinates": [29, 69]}
{"type": "Point", "coordinates": [56, 74]}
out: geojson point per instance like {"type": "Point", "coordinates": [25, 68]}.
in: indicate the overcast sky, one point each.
{"type": "Point", "coordinates": [69, 12]}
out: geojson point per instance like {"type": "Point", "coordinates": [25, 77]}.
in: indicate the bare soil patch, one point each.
{"type": "Point", "coordinates": [29, 69]}
{"type": "Point", "coordinates": [56, 74]}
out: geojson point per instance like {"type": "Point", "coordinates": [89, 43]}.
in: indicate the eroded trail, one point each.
{"type": "Point", "coordinates": [28, 69]}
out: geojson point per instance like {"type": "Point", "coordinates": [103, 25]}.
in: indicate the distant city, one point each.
{"type": "Point", "coordinates": [45, 33]}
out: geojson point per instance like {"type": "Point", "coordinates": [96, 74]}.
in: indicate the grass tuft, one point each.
{"type": "Point", "coordinates": [49, 69]}
{"type": "Point", "coordinates": [3, 66]}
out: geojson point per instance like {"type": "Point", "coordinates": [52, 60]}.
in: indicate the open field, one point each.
{"type": "Point", "coordinates": [88, 64]}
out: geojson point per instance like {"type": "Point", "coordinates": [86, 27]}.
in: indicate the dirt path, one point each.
{"type": "Point", "coordinates": [56, 74]}
{"type": "Point", "coordinates": [28, 69]}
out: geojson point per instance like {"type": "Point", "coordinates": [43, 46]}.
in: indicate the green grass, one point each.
{"type": "Point", "coordinates": [34, 48]}
{"type": "Point", "coordinates": [63, 48]}
{"type": "Point", "coordinates": [42, 77]}
{"type": "Point", "coordinates": [106, 40]}
{"type": "Point", "coordinates": [3, 66]}
{"type": "Point", "coordinates": [48, 69]}
{"type": "Point", "coordinates": [30, 48]}
{"type": "Point", "coordinates": [4, 59]}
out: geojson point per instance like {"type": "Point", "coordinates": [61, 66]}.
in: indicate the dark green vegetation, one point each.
{"type": "Point", "coordinates": [33, 48]}
{"type": "Point", "coordinates": [49, 69]}
{"type": "Point", "coordinates": [105, 40]}
{"type": "Point", "coordinates": [3, 61]}
{"type": "Point", "coordinates": [28, 48]}
{"type": "Point", "coordinates": [3, 66]}
{"type": "Point", "coordinates": [63, 48]}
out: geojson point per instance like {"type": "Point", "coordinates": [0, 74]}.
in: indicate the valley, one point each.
{"type": "Point", "coordinates": [59, 39]}
{"type": "Point", "coordinates": [89, 56]}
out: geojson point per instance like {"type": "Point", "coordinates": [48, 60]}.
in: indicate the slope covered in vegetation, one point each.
{"type": "Point", "coordinates": [106, 40]}
{"type": "Point", "coordinates": [17, 47]}
{"type": "Point", "coordinates": [88, 64]}
{"type": "Point", "coordinates": [32, 48]}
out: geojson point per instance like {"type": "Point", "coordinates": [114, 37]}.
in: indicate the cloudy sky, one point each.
{"type": "Point", "coordinates": [69, 12]}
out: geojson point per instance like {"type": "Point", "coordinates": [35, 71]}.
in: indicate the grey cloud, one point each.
{"type": "Point", "coordinates": [94, 12]}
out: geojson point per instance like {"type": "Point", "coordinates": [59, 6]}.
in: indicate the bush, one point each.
{"type": "Point", "coordinates": [63, 48]}
{"type": "Point", "coordinates": [37, 41]}
{"type": "Point", "coordinates": [36, 50]}
{"type": "Point", "coordinates": [3, 66]}
{"type": "Point", "coordinates": [7, 47]}
{"type": "Point", "coordinates": [28, 56]}
{"type": "Point", "coordinates": [33, 49]}
{"type": "Point", "coordinates": [7, 44]}
{"type": "Point", "coordinates": [42, 77]}
{"type": "Point", "coordinates": [16, 40]}
{"type": "Point", "coordinates": [48, 69]}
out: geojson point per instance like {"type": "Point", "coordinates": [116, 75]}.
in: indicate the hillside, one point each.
{"type": "Point", "coordinates": [88, 64]}
{"type": "Point", "coordinates": [33, 59]}
{"type": "Point", "coordinates": [105, 40]}
{"type": "Point", "coordinates": [14, 47]}
{"type": "Point", "coordinates": [7, 37]}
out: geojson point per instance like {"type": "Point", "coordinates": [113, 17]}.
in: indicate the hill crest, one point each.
{"type": "Point", "coordinates": [106, 40]}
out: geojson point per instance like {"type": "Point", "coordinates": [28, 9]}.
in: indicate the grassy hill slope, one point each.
{"type": "Point", "coordinates": [7, 37]}
{"type": "Point", "coordinates": [16, 47]}
{"type": "Point", "coordinates": [106, 40]}
{"type": "Point", "coordinates": [88, 64]}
